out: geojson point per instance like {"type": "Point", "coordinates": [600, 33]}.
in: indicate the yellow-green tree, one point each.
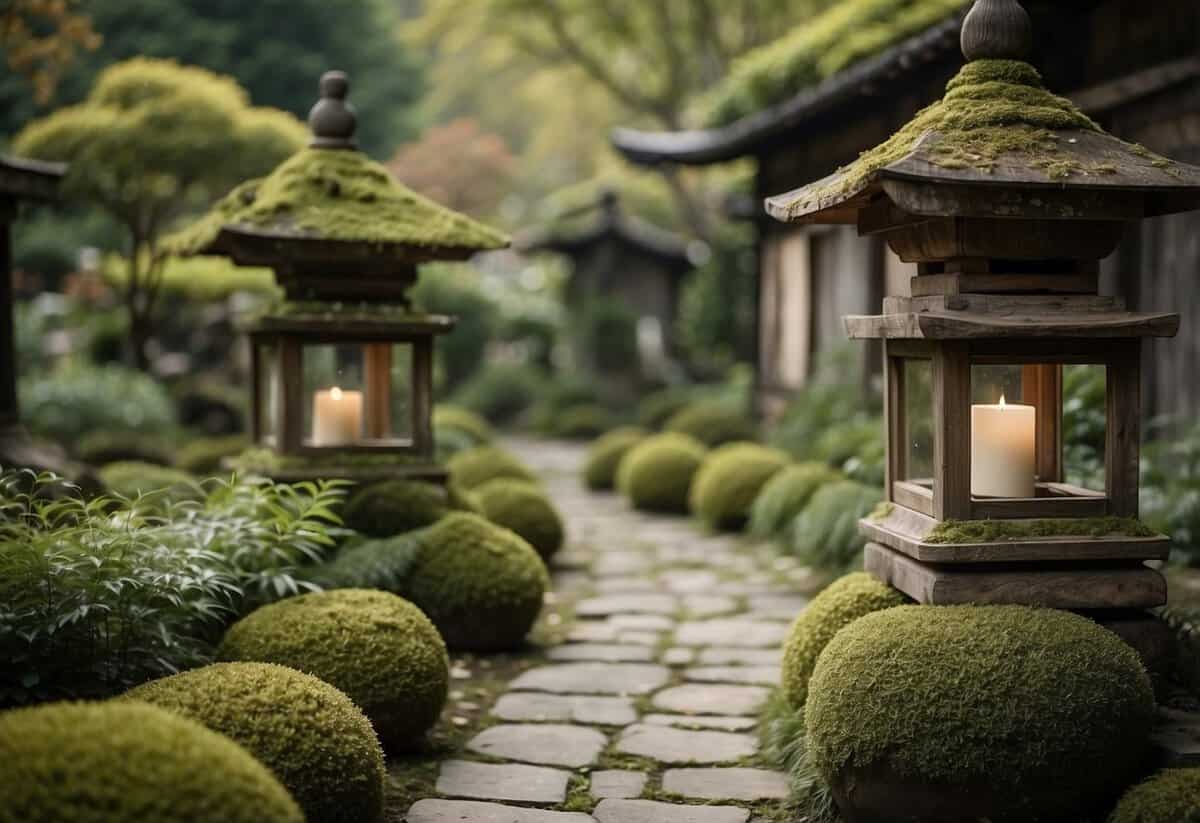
{"type": "Point", "coordinates": [153, 141]}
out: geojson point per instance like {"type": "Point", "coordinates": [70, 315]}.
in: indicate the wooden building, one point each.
{"type": "Point", "coordinates": [1134, 67]}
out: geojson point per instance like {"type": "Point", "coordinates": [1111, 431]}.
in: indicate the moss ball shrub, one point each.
{"type": "Point", "coordinates": [474, 467]}
{"type": "Point", "coordinates": [583, 422]}
{"type": "Point", "coordinates": [825, 534]}
{"type": "Point", "coordinates": [205, 455]}
{"type": "Point", "coordinates": [481, 584]}
{"type": "Point", "coordinates": [656, 474]}
{"type": "Point", "coordinates": [500, 393]}
{"type": "Point", "coordinates": [1172, 796]}
{"type": "Point", "coordinates": [1002, 713]}
{"type": "Point", "coordinates": [376, 647]}
{"type": "Point", "coordinates": [605, 455]}
{"type": "Point", "coordinates": [840, 604]}
{"type": "Point", "coordinates": [131, 478]}
{"type": "Point", "coordinates": [729, 480]}
{"type": "Point", "coordinates": [465, 421]}
{"type": "Point", "coordinates": [117, 762]}
{"type": "Point", "coordinates": [310, 735]}
{"type": "Point", "coordinates": [785, 495]}
{"type": "Point", "coordinates": [525, 509]}
{"type": "Point", "coordinates": [712, 425]}
{"type": "Point", "coordinates": [396, 506]}
{"type": "Point", "coordinates": [100, 448]}
{"type": "Point", "coordinates": [654, 410]}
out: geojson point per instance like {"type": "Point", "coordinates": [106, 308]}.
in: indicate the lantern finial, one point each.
{"type": "Point", "coordinates": [997, 30]}
{"type": "Point", "coordinates": [332, 119]}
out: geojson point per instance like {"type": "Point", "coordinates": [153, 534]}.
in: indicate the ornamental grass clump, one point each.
{"type": "Point", "coordinates": [785, 495]}
{"type": "Point", "coordinates": [839, 605]}
{"type": "Point", "coordinates": [1002, 713]}
{"type": "Point", "coordinates": [124, 761]}
{"type": "Point", "coordinates": [729, 480]}
{"type": "Point", "coordinates": [825, 534]}
{"type": "Point", "coordinates": [1171, 796]}
{"type": "Point", "coordinates": [606, 454]}
{"type": "Point", "coordinates": [525, 509]}
{"type": "Point", "coordinates": [376, 647]}
{"type": "Point", "coordinates": [474, 467]}
{"type": "Point", "coordinates": [712, 425]}
{"type": "Point", "coordinates": [656, 475]}
{"type": "Point", "coordinates": [309, 734]}
{"type": "Point", "coordinates": [396, 506]}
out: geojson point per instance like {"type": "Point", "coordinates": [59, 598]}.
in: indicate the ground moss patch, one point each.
{"type": "Point", "coordinates": [951, 532]}
{"type": "Point", "coordinates": [729, 480]}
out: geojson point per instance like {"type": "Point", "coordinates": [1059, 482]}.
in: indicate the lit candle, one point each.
{"type": "Point", "coordinates": [337, 417]}
{"type": "Point", "coordinates": [1002, 450]}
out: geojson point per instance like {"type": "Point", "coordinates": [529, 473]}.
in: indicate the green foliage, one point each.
{"type": "Point", "coordinates": [373, 564]}
{"type": "Point", "coordinates": [729, 480]}
{"type": "Point", "coordinates": [71, 402]}
{"type": "Point", "coordinates": [210, 404]}
{"type": "Point", "coordinates": [784, 741]}
{"type": "Point", "coordinates": [454, 290]}
{"type": "Point", "coordinates": [839, 605]}
{"type": "Point", "coordinates": [560, 394]}
{"type": "Point", "coordinates": [656, 474]}
{"type": "Point", "coordinates": [108, 762]}
{"type": "Point", "coordinates": [654, 410]}
{"type": "Point", "coordinates": [583, 422]}
{"type": "Point", "coordinates": [101, 447]}
{"type": "Point", "coordinates": [608, 336]}
{"type": "Point", "coordinates": [825, 534]}
{"type": "Point", "coordinates": [480, 584]}
{"type": "Point", "coordinates": [204, 455]}
{"type": "Point", "coordinates": [910, 695]}
{"type": "Point", "coordinates": [855, 447]}
{"type": "Point", "coordinates": [374, 646]}
{"type": "Point", "coordinates": [1084, 424]}
{"type": "Point", "coordinates": [990, 531]}
{"type": "Point", "coordinates": [785, 495]}
{"type": "Point", "coordinates": [131, 479]}
{"type": "Point", "coordinates": [474, 467]}
{"type": "Point", "coordinates": [203, 279]}
{"type": "Point", "coordinates": [1171, 796]}
{"type": "Point", "coordinates": [311, 736]}
{"type": "Point", "coordinates": [500, 392]}
{"type": "Point", "coordinates": [396, 506]}
{"type": "Point", "coordinates": [525, 509]}
{"type": "Point", "coordinates": [606, 454]}
{"type": "Point", "coordinates": [446, 417]}
{"type": "Point", "coordinates": [716, 323]}
{"type": "Point", "coordinates": [1171, 492]}
{"type": "Point", "coordinates": [712, 425]}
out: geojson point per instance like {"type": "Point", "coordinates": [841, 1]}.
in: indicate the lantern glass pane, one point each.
{"type": "Point", "coordinates": [334, 395]}
{"type": "Point", "coordinates": [992, 384]}
{"type": "Point", "coordinates": [1085, 425]}
{"type": "Point", "coordinates": [401, 391]}
{"type": "Point", "coordinates": [917, 464]}
{"type": "Point", "coordinates": [270, 393]}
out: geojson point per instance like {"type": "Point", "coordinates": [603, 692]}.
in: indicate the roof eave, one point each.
{"type": "Point", "coordinates": [30, 179]}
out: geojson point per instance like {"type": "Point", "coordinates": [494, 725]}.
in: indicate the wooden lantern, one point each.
{"type": "Point", "coordinates": [1007, 198]}
{"type": "Point", "coordinates": [343, 367]}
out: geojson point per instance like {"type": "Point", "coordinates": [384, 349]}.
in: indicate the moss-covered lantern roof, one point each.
{"type": "Point", "coordinates": [333, 204]}
{"type": "Point", "coordinates": [998, 130]}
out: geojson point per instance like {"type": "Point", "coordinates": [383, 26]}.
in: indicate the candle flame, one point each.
{"type": "Point", "coordinates": [1002, 403]}
{"type": "Point", "coordinates": [336, 393]}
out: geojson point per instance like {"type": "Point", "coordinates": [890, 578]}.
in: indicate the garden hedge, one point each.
{"type": "Point", "coordinates": [474, 467]}
{"type": "Point", "coordinates": [582, 422]}
{"type": "Point", "coordinates": [481, 584]}
{"type": "Point", "coordinates": [1171, 796]}
{"type": "Point", "coordinates": [376, 647]}
{"type": "Point", "coordinates": [525, 509]}
{"type": "Point", "coordinates": [308, 733]}
{"type": "Point", "coordinates": [118, 762]}
{"type": "Point", "coordinates": [712, 425]}
{"type": "Point", "coordinates": [130, 478]}
{"type": "Point", "coordinates": [785, 495]}
{"type": "Point", "coordinates": [656, 474]}
{"type": "Point", "coordinates": [825, 534]}
{"type": "Point", "coordinates": [1002, 713]}
{"type": "Point", "coordinates": [396, 506]}
{"type": "Point", "coordinates": [840, 604]}
{"type": "Point", "coordinates": [605, 455]}
{"type": "Point", "coordinates": [729, 480]}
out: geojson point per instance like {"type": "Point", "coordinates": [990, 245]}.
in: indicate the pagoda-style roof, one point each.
{"type": "Point", "coordinates": [21, 178]}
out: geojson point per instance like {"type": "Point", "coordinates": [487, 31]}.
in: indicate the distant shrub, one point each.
{"type": "Point", "coordinates": [654, 410]}
{"type": "Point", "coordinates": [729, 480]}
{"type": "Point", "coordinates": [211, 405]}
{"type": "Point", "coordinates": [712, 425]}
{"type": "Point", "coordinates": [656, 474]}
{"type": "Point", "coordinates": [609, 338]}
{"type": "Point", "coordinates": [474, 467]}
{"type": "Point", "coordinates": [204, 456]}
{"type": "Point", "coordinates": [500, 393]}
{"type": "Point", "coordinates": [583, 422]}
{"type": "Point", "coordinates": [448, 417]}
{"type": "Point", "coordinates": [525, 509]}
{"type": "Point", "coordinates": [101, 447]}
{"type": "Point", "coordinates": [785, 495]}
{"type": "Point", "coordinates": [455, 290]}
{"type": "Point", "coordinates": [557, 396]}
{"type": "Point", "coordinates": [131, 479]}
{"type": "Point", "coordinates": [1171, 796]}
{"type": "Point", "coordinates": [825, 534]}
{"type": "Point", "coordinates": [605, 455]}
{"type": "Point", "coordinates": [832, 398]}
{"type": "Point", "coordinates": [71, 402]}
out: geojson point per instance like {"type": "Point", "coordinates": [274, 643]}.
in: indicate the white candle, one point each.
{"type": "Point", "coordinates": [337, 417]}
{"type": "Point", "coordinates": [1002, 450]}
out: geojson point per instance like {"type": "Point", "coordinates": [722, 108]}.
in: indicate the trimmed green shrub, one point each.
{"type": "Point", "coordinates": [480, 584]}
{"type": "Point", "coordinates": [372, 564]}
{"type": "Point", "coordinates": [825, 534]}
{"type": "Point", "coordinates": [525, 509]}
{"type": "Point", "coordinates": [605, 455]}
{"type": "Point", "coordinates": [310, 735]}
{"type": "Point", "coordinates": [462, 420]}
{"type": "Point", "coordinates": [712, 425]}
{"type": "Point", "coordinates": [396, 506]}
{"type": "Point", "coordinates": [729, 479]}
{"type": "Point", "coordinates": [500, 393]}
{"type": "Point", "coordinates": [654, 410]}
{"type": "Point", "coordinates": [1171, 796]}
{"type": "Point", "coordinates": [839, 605]}
{"type": "Point", "coordinates": [204, 456]}
{"type": "Point", "coordinates": [474, 467]}
{"type": "Point", "coordinates": [785, 495]}
{"type": "Point", "coordinates": [583, 422]}
{"type": "Point", "coordinates": [118, 762]}
{"type": "Point", "coordinates": [99, 448]}
{"type": "Point", "coordinates": [71, 402]}
{"type": "Point", "coordinates": [130, 479]}
{"type": "Point", "coordinates": [977, 713]}
{"type": "Point", "coordinates": [376, 647]}
{"type": "Point", "coordinates": [656, 474]}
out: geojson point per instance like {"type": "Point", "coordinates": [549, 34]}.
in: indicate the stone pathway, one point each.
{"type": "Point", "coordinates": [647, 713]}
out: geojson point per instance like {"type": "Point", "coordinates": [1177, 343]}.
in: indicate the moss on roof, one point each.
{"type": "Point", "coordinates": [850, 31]}
{"type": "Point", "coordinates": [337, 195]}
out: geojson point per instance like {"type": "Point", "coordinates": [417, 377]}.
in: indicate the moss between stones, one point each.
{"type": "Point", "coordinates": [523, 508]}
{"type": "Point", "coordinates": [969, 712]}
{"type": "Point", "coordinates": [729, 480]}
{"type": "Point", "coordinates": [337, 195]}
{"type": "Point", "coordinates": [1172, 796]}
{"type": "Point", "coordinates": [472, 468]}
{"type": "Point", "coordinates": [108, 762]}
{"type": "Point", "coordinates": [839, 605]}
{"type": "Point", "coordinates": [952, 532]}
{"type": "Point", "coordinates": [712, 425]}
{"type": "Point", "coordinates": [482, 585]}
{"type": "Point", "coordinates": [310, 735]}
{"type": "Point", "coordinates": [605, 455]}
{"type": "Point", "coordinates": [656, 474]}
{"type": "Point", "coordinates": [396, 506]}
{"type": "Point", "coordinates": [465, 421]}
{"type": "Point", "coordinates": [130, 478]}
{"type": "Point", "coordinates": [376, 647]}
{"type": "Point", "coordinates": [785, 495]}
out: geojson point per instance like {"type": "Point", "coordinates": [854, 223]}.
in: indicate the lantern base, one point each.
{"type": "Point", "coordinates": [298, 471]}
{"type": "Point", "coordinates": [1051, 585]}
